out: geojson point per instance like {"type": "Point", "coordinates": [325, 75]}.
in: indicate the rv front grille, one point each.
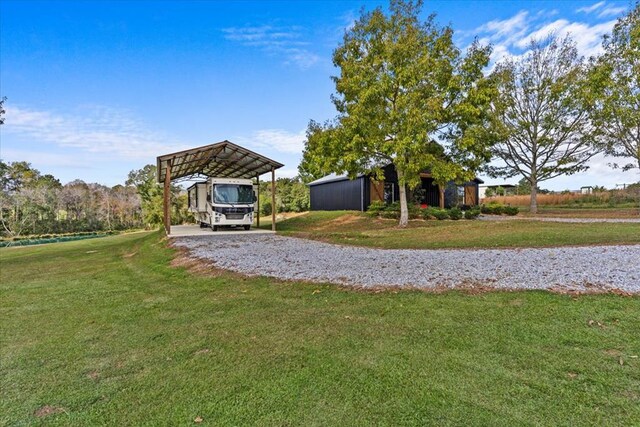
{"type": "Point", "coordinates": [235, 216]}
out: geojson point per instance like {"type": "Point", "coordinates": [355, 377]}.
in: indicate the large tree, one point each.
{"type": "Point", "coordinates": [542, 114]}
{"type": "Point", "coordinates": [617, 73]}
{"type": "Point", "coordinates": [405, 96]}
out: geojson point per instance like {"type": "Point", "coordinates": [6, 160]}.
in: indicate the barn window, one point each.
{"type": "Point", "coordinates": [389, 195]}
{"type": "Point", "coordinates": [461, 194]}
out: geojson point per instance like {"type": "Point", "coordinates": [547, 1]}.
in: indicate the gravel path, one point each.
{"type": "Point", "coordinates": [587, 268]}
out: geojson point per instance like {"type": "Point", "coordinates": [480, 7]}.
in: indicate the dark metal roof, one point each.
{"type": "Point", "coordinates": [223, 159]}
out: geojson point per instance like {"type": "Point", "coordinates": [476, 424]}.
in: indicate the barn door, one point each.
{"type": "Point", "coordinates": [377, 191]}
{"type": "Point", "coordinates": [470, 195]}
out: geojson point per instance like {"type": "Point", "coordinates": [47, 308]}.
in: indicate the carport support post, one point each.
{"type": "Point", "coordinates": [273, 199]}
{"type": "Point", "coordinates": [258, 202]}
{"type": "Point", "coordinates": [167, 205]}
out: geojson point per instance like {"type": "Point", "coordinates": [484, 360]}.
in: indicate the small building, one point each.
{"type": "Point", "coordinates": [587, 189]}
{"type": "Point", "coordinates": [507, 189]}
{"type": "Point", "coordinates": [338, 192]}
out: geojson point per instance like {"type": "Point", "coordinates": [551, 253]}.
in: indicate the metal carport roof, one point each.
{"type": "Point", "coordinates": [223, 159]}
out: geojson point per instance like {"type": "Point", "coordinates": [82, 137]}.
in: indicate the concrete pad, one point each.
{"type": "Point", "coordinates": [195, 230]}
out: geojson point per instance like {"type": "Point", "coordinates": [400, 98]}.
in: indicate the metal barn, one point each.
{"type": "Point", "coordinates": [338, 192]}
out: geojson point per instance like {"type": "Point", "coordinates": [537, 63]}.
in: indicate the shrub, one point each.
{"type": "Point", "coordinates": [392, 210]}
{"type": "Point", "coordinates": [440, 214]}
{"type": "Point", "coordinates": [511, 210]}
{"type": "Point", "coordinates": [375, 208]}
{"type": "Point", "coordinates": [427, 213]}
{"type": "Point", "coordinates": [455, 213]}
{"type": "Point", "coordinates": [414, 211]}
{"type": "Point", "coordinates": [492, 209]}
{"type": "Point", "coordinates": [472, 213]}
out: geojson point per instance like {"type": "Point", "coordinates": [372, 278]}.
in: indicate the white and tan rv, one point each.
{"type": "Point", "coordinates": [223, 202]}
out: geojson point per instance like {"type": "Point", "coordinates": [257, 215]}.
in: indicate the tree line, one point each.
{"type": "Point", "coordinates": [36, 203]}
{"type": "Point", "coordinates": [406, 95]}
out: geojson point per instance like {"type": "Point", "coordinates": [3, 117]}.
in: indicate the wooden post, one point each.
{"type": "Point", "coordinates": [258, 202]}
{"type": "Point", "coordinates": [166, 200]}
{"type": "Point", "coordinates": [441, 188]}
{"type": "Point", "coordinates": [273, 199]}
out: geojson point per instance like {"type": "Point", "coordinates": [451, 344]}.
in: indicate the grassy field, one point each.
{"type": "Point", "coordinates": [108, 332]}
{"type": "Point", "coordinates": [355, 228]}
{"type": "Point", "coordinates": [573, 212]}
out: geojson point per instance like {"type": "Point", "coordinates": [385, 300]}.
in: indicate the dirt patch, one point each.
{"type": "Point", "coordinates": [48, 410]}
{"type": "Point", "coordinates": [341, 221]}
{"type": "Point", "coordinates": [94, 375]}
{"type": "Point", "coordinates": [129, 255]}
{"type": "Point", "coordinates": [613, 352]}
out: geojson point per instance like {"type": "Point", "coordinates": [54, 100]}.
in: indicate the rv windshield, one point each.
{"type": "Point", "coordinates": [232, 193]}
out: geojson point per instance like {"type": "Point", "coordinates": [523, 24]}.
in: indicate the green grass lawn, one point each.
{"type": "Point", "coordinates": [356, 228]}
{"type": "Point", "coordinates": [107, 332]}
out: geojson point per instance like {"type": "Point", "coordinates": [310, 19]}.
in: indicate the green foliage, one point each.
{"type": "Point", "coordinates": [541, 114]}
{"type": "Point", "coordinates": [375, 208]}
{"type": "Point", "coordinates": [455, 213]}
{"type": "Point", "coordinates": [472, 213]}
{"type": "Point", "coordinates": [33, 203]}
{"type": "Point", "coordinates": [292, 195]}
{"type": "Point", "coordinates": [403, 91]}
{"type": "Point", "coordinates": [616, 76]}
{"type": "Point", "coordinates": [498, 209]}
{"type": "Point", "coordinates": [511, 210]}
{"type": "Point", "coordinates": [439, 214]}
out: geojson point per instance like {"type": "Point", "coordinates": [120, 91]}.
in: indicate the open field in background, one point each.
{"type": "Point", "coordinates": [627, 201]}
{"type": "Point", "coordinates": [106, 331]}
{"type": "Point", "coordinates": [356, 228]}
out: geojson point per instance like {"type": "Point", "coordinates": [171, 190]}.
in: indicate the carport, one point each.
{"type": "Point", "coordinates": [223, 159]}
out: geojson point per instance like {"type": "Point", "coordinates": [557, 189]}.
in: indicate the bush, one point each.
{"type": "Point", "coordinates": [497, 209]}
{"type": "Point", "coordinates": [472, 213]}
{"type": "Point", "coordinates": [455, 213]}
{"type": "Point", "coordinates": [440, 214]}
{"type": "Point", "coordinates": [492, 209]}
{"type": "Point", "coordinates": [375, 208]}
{"type": "Point", "coordinates": [511, 210]}
{"type": "Point", "coordinates": [392, 210]}
{"type": "Point", "coordinates": [428, 213]}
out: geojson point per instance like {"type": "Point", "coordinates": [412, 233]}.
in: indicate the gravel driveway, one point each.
{"type": "Point", "coordinates": [587, 268]}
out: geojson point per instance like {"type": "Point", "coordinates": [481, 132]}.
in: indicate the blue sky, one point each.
{"type": "Point", "coordinates": [96, 89]}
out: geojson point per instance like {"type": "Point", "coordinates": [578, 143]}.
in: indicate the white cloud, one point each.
{"type": "Point", "coordinates": [506, 29]}
{"type": "Point", "coordinates": [99, 130]}
{"type": "Point", "coordinates": [611, 11]}
{"type": "Point", "coordinates": [588, 38]}
{"type": "Point", "coordinates": [283, 41]}
{"type": "Point", "coordinates": [511, 37]}
{"type": "Point", "coordinates": [276, 139]}
{"type": "Point", "coordinates": [593, 7]}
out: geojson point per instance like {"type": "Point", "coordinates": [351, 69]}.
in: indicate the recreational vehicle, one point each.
{"type": "Point", "coordinates": [223, 202]}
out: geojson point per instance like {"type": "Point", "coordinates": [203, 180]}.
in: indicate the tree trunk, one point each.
{"type": "Point", "coordinates": [533, 206]}
{"type": "Point", "coordinates": [404, 212]}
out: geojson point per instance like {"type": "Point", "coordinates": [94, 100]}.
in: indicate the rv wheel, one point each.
{"type": "Point", "coordinates": [214, 227]}
{"type": "Point", "coordinates": [247, 227]}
